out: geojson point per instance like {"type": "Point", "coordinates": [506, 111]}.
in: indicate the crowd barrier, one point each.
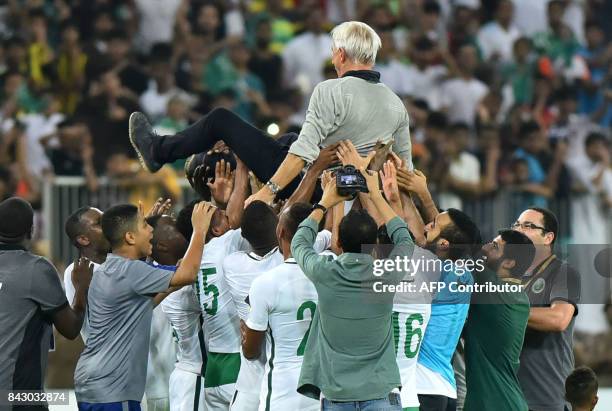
{"type": "Point", "coordinates": [64, 195]}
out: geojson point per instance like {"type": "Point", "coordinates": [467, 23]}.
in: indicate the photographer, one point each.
{"type": "Point", "coordinates": [349, 357]}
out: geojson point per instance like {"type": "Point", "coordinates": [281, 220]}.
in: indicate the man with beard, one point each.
{"type": "Point", "coordinates": [84, 230]}
{"type": "Point", "coordinates": [492, 366]}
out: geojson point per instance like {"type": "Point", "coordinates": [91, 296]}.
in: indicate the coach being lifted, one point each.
{"type": "Point", "coordinates": [356, 106]}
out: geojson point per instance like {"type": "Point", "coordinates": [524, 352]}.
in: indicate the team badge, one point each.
{"type": "Point", "coordinates": [538, 286]}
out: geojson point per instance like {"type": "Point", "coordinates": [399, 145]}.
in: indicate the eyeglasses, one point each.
{"type": "Point", "coordinates": [527, 226]}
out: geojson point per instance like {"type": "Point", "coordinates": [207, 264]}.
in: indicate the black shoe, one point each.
{"type": "Point", "coordinates": [142, 137]}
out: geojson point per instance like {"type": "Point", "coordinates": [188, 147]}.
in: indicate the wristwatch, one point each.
{"type": "Point", "coordinates": [319, 206]}
{"type": "Point", "coordinates": [274, 188]}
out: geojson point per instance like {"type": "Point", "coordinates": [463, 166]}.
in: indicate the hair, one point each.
{"type": "Point", "coordinates": [74, 226]}
{"type": "Point", "coordinates": [357, 228]}
{"type": "Point", "coordinates": [581, 386]}
{"type": "Point", "coordinates": [423, 43]}
{"type": "Point", "coordinates": [153, 220]}
{"type": "Point", "coordinates": [528, 128]}
{"type": "Point", "coordinates": [459, 126]}
{"type": "Point", "coordinates": [595, 137]}
{"type": "Point", "coordinates": [437, 119]}
{"type": "Point", "coordinates": [183, 220]}
{"type": "Point", "coordinates": [462, 234]}
{"type": "Point", "coordinates": [359, 41]}
{"type": "Point", "coordinates": [551, 224]}
{"type": "Point", "coordinates": [518, 248]}
{"type": "Point", "coordinates": [259, 225]}
{"type": "Point", "coordinates": [296, 213]}
{"type": "Point", "coordinates": [432, 7]}
{"type": "Point", "coordinates": [118, 220]}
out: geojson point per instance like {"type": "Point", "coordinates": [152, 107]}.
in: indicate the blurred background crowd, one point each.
{"type": "Point", "coordinates": [510, 101]}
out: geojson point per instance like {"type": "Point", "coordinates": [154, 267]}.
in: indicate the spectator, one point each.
{"type": "Point", "coordinates": [39, 126]}
{"type": "Point", "coordinates": [558, 41]}
{"type": "Point", "coordinates": [581, 389]}
{"type": "Point", "coordinates": [393, 72]}
{"type": "Point", "coordinates": [305, 55]}
{"type": "Point", "coordinates": [40, 53]}
{"type": "Point", "coordinates": [174, 121]}
{"type": "Point", "coordinates": [230, 71]}
{"type": "Point", "coordinates": [461, 175]}
{"type": "Point", "coordinates": [74, 154]}
{"type": "Point", "coordinates": [553, 288]}
{"type": "Point", "coordinates": [154, 101]}
{"type": "Point", "coordinates": [497, 37]}
{"type": "Point", "coordinates": [519, 74]}
{"type": "Point", "coordinates": [264, 63]}
{"type": "Point", "coordinates": [70, 68]}
{"type": "Point", "coordinates": [118, 54]}
{"type": "Point", "coordinates": [106, 114]}
{"type": "Point", "coordinates": [598, 56]}
{"type": "Point", "coordinates": [425, 74]}
{"type": "Point", "coordinates": [590, 213]}
{"type": "Point", "coordinates": [156, 21]}
{"type": "Point", "coordinates": [462, 95]}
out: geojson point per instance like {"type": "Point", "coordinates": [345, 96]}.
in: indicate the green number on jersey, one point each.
{"type": "Point", "coordinates": [209, 308]}
{"type": "Point", "coordinates": [411, 331]}
{"type": "Point", "coordinates": [312, 307]}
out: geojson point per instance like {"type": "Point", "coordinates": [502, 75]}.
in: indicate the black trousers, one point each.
{"type": "Point", "coordinates": [260, 153]}
{"type": "Point", "coordinates": [436, 403]}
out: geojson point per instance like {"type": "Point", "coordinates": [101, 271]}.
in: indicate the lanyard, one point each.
{"type": "Point", "coordinates": [540, 269]}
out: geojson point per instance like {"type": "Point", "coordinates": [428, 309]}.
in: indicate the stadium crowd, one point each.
{"type": "Point", "coordinates": [512, 96]}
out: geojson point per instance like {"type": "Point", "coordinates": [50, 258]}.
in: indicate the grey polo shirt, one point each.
{"type": "Point", "coordinates": [113, 366]}
{"type": "Point", "coordinates": [30, 293]}
{"type": "Point", "coordinates": [547, 358]}
{"type": "Point", "coordinates": [353, 108]}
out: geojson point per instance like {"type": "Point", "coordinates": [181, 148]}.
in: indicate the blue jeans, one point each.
{"type": "Point", "coordinates": [390, 403]}
{"type": "Point", "coordinates": [110, 406]}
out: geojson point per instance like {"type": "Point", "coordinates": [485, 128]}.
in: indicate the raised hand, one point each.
{"type": "Point", "coordinates": [160, 207]}
{"type": "Point", "coordinates": [223, 184]}
{"type": "Point", "coordinates": [412, 181]}
{"type": "Point", "coordinates": [201, 216]}
{"type": "Point", "coordinates": [82, 273]}
{"type": "Point", "coordinates": [330, 194]}
{"type": "Point", "coordinates": [348, 155]}
{"type": "Point", "coordinates": [327, 157]}
{"type": "Point", "coordinates": [372, 183]}
{"type": "Point", "coordinates": [388, 176]}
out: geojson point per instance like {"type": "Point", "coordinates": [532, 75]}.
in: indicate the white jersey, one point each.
{"type": "Point", "coordinates": [183, 311]}
{"type": "Point", "coordinates": [240, 270]}
{"type": "Point", "coordinates": [221, 325]}
{"type": "Point", "coordinates": [411, 313]}
{"type": "Point", "coordinates": [162, 356]}
{"type": "Point", "coordinates": [283, 302]}
{"type": "Point", "coordinates": [70, 292]}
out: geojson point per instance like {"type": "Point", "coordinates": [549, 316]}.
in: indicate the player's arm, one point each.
{"type": "Point", "coordinates": [253, 331]}
{"type": "Point", "coordinates": [555, 318]}
{"type": "Point", "coordinates": [252, 341]}
{"type": "Point", "coordinates": [235, 204]}
{"type": "Point", "coordinates": [69, 320]}
{"type": "Point", "coordinates": [188, 269]}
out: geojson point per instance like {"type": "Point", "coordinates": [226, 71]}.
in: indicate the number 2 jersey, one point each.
{"type": "Point", "coordinates": [283, 302]}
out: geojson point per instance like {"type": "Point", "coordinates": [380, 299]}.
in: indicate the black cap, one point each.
{"type": "Point", "coordinates": [16, 220]}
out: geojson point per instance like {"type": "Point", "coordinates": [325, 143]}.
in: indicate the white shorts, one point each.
{"type": "Point", "coordinates": [186, 391]}
{"type": "Point", "coordinates": [219, 398]}
{"type": "Point", "coordinates": [245, 401]}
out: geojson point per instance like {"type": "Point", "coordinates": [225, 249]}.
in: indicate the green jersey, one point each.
{"type": "Point", "coordinates": [494, 334]}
